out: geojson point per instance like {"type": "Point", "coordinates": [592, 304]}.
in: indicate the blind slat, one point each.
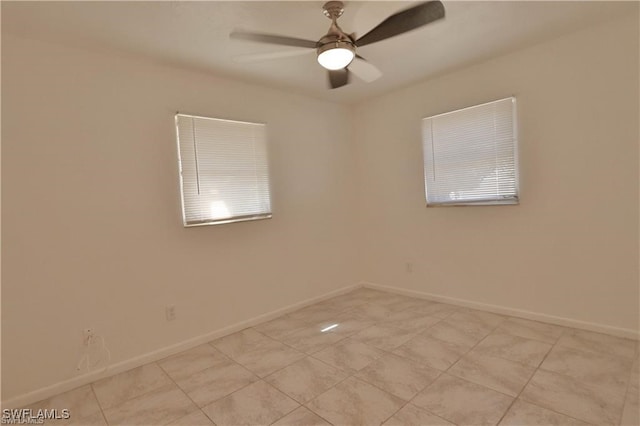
{"type": "Point", "coordinates": [470, 155]}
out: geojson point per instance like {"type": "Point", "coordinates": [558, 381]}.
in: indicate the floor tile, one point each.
{"type": "Point", "coordinates": [305, 379]}
{"type": "Point", "coordinates": [268, 358]}
{"type": "Point", "coordinates": [302, 416]}
{"type": "Point", "coordinates": [280, 327]}
{"type": "Point", "coordinates": [312, 339]}
{"type": "Point", "coordinates": [117, 389]}
{"type": "Point", "coordinates": [631, 410]}
{"type": "Point", "coordinates": [347, 324]}
{"type": "Point", "coordinates": [372, 311]}
{"type": "Point", "coordinates": [508, 377]}
{"type": "Point", "coordinates": [197, 418]}
{"type": "Point", "coordinates": [411, 320]}
{"type": "Point", "coordinates": [475, 322]}
{"type": "Point", "coordinates": [241, 342]}
{"type": "Point", "coordinates": [349, 355]}
{"type": "Point", "coordinates": [354, 402]}
{"type": "Point", "coordinates": [431, 352]}
{"type": "Point", "coordinates": [440, 310]}
{"type": "Point", "coordinates": [523, 413]}
{"type": "Point", "coordinates": [389, 297]}
{"type": "Point", "coordinates": [398, 376]}
{"type": "Point", "coordinates": [456, 332]}
{"type": "Point", "coordinates": [385, 337]}
{"type": "Point", "coordinates": [371, 294]}
{"type": "Point", "coordinates": [463, 402]}
{"type": "Point", "coordinates": [590, 367]}
{"type": "Point", "coordinates": [567, 396]}
{"type": "Point", "coordinates": [95, 419]}
{"type": "Point", "coordinates": [315, 313]}
{"type": "Point", "coordinates": [408, 303]}
{"type": "Point", "coordinates": [345, 301]}
{"type": "Point", "coordinates": [502, 345]}
{"type": "Point", "coordinates": [188, 362]}
{"type": "Point", "coordinates": [81, 403]}
{"type": "Point", "coordinates": [597, 342]}
{"type": "Point", "coordinates": [257, 352]}
{"type": "Point", "coordinates": [535, 330]}
{"type": "Point", "coordinates": [412, 415]}
{"type": "Point", "coordinates": [160, 406]}
{"type": "Point", "coordinates": [213, 383]}
{"type": "Point", "coordinates": [256, 404]}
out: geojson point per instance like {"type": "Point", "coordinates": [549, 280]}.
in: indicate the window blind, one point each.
{"type": "Point", "coordinates": [470, 155]}
{"type": "Point", "coordinates": [223, 169]}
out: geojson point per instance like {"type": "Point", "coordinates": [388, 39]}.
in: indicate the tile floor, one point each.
{"type": "Point", "coordinates": [391, 360]}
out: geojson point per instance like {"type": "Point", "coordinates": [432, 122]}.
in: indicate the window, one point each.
{"type": "Point", "coordinates": [223, 170]}
{"type": "Point", "coordinates": [470, 155]}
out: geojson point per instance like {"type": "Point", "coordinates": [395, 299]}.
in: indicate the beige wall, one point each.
{"type": "Point", "coordinates": [570, 249]}
{"type": "Point", "coordinates": [92, 232]}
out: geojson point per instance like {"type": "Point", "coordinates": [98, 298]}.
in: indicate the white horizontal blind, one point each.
{"type": "Point", "coordinates": [224, 172]}
{"type": "Point", "coordinates": [470, 155]}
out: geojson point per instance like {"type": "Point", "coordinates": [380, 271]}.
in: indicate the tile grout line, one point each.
{"type": "Point", "coordinates": [528, 381]}
{"type": "Point", "coordinates": [506, 318]}
{"type": "Point", "coordinates": [629, 382]}
{"type": "Point", "coordinates": [134, 397]}
{"type": "Point", "coordinates": [407, 402]}
{"type": "Point", "coordinates": [354, 373]}
{"type": "Point", "coordinates": [441, 372]}
{"type": "Point", "coordinates": [460, 358]}
{"type": "Point", "coordinates": [319, 395]}
{"type": "Point", "coordinates": [186, 394]}
{"type": "Point", "coordinates": [93, 391]}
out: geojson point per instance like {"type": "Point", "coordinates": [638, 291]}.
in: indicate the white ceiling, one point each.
{"type": "Point", "coordinates": [196, 35]}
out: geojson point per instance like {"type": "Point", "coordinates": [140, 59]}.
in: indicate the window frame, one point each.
{"type": "Point", "coordinates": [233, 219]}
{"type": "Point", "coordinates": [511, 201]}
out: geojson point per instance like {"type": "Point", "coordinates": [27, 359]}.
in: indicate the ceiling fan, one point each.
{"type": "Point", "coordinates": [337, 50]}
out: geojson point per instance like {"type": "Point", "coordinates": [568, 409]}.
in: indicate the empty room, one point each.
{"type": "Point", "coordinates": [320, 213]}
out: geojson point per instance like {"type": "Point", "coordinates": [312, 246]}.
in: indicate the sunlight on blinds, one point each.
{"type": "Point", "coordinates": [224, 171]}
{"type": "Point", "coordinates": [470, 155]}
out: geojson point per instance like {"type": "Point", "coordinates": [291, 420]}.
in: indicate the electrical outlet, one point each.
{"type": "Point", "coordinates": [170, 312]}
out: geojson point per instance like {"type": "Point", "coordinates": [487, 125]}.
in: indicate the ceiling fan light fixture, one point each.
{"type": "Point", "coordinates": [336, 55]}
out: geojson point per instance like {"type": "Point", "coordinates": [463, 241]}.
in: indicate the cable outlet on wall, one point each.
{"type": "Point", "coordinates": [170, 312]}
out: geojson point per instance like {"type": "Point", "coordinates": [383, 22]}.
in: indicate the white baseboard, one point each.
{"type": "Point", "coordinates": [551, 319]}
{"type": "Point", "coordinates": [67, 385]}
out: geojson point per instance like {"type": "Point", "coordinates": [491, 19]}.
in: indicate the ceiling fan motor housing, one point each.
{"type": "Point", "coordinates": [335, 37]}
{"type": "Point", "coordinates": [333, 9]}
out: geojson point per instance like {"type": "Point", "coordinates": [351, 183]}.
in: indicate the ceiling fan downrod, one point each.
{"type": "Point", "coordinates": [336, 49]}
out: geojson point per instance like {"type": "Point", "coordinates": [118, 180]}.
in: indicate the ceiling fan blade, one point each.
{"type": "Point", "coordinates": [364, 70]}
{"type": "Point", "coordinates": [404, 21]}
{"type": "Point", "coordinates": [273, 39]}
{"type": "Point", "coordinates": [338, 78]}
{"type": "Point", "coordinates": [258, 57]}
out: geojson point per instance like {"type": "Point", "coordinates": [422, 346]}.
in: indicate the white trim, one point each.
{"type": "Point", "coordinates": [128, 364]}
{"type": "Point", "coordinates": [512, 97]}
{"type": "Point", "coordinates": [551, 319]}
